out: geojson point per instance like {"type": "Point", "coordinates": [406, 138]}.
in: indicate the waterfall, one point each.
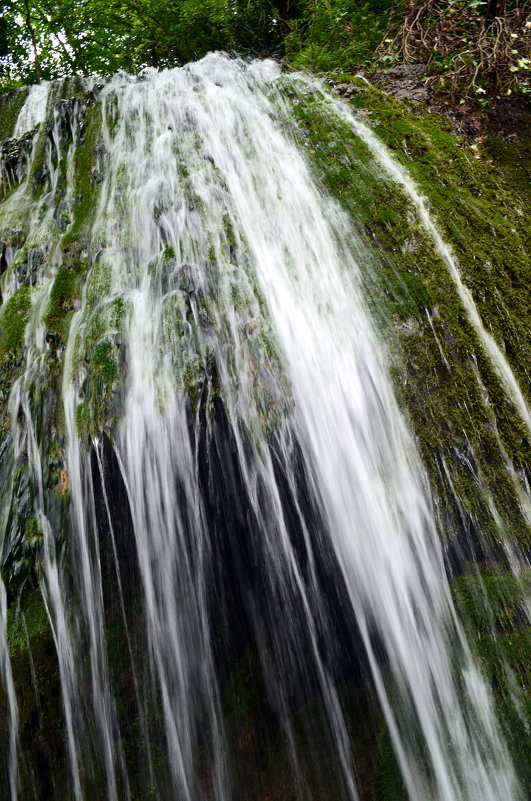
{"type": "Point", "coordinates": [230, 441]}
{"type": "Point", "coordinates": [33, 112]}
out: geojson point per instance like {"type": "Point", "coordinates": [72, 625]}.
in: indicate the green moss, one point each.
{"type": "Point", "coordinates": [470, 198]}
{"type": "Point", "coordinates": [492, 605]}
{"type": "Point", "coordinates": [33, 536]}
{"type": "Point", "coordinates": [389, 785]}
{"type": "Point", "coordinates": [513, 159]}
{"type": "Point", "coordinates": [99, 283]}
{"type": "Point", "coordinates": [13, 318]}
{"type": "Point", "coordinates": [86, 189]}
{"type": "Point", "coordinates": [38, 690]}
{"type": "Point", "coordinates": [97, 353]}
{"type": "Point", "coordinates": [98, 411]}
{"type": "Point", "coordinates": [62, 297]}
{"type": "Point", "coordinates": [10, 105]}
{"type": "Point", "coordinates": [104, 363]}
{"type": "Point", "coordinates": [168, 253]}
{"type": "Point", "coordinates": [492, 601]}
{"type": "Point", "coordinates": [27, 623]}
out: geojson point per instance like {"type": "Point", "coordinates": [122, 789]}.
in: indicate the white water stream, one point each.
{"type": "Point", "coordinates": [33, 112]}
{"type": "Point", "coordinates": [219, 249]}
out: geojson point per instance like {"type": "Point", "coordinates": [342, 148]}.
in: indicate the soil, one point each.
{"type": "Point", "coordinates": [509, 117]}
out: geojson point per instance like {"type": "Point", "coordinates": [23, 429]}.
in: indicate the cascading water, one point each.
{"type": "Point", "coordinates": [231, 441]}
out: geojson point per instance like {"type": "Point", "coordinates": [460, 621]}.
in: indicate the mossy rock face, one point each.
{"type": "Point", "coordinates": [10, 105]}
{"type": "Point", "coordinates": [493, 606]}
{"type": "Point", "coordinates": [474, 444]}
{"type": "Point", "coordinates": [42, 277]}
{"type": "Point", "coordinates": [262, 752]}
{"type": "Point", "coordinates": [40, 710]}
{"type": "Point", "coordinates": [15, 158]}
{"type": "Point", "coordinates": [23, 535]}
{"type": "Point", "coordinates": [13, 319]}
{"type": "Point", "coordinates": [88, 174]}
{"type": "Point", "coordinates": [62, 298]}
{"type": "Point", "coordinates": [99, 355]}
{"type": "Point", "coordinates": [19, 540]}
{"type": "Point", "coordinates": [28, 622]}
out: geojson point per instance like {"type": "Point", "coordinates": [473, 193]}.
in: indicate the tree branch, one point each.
{"type": "Point", "coordinates": [33, 42]}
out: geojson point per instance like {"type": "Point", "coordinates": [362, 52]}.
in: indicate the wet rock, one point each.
{"type": "Point", "coordinates": [11, 240]}
{"type": "Point", "coordinates": [405, 82]}
{"type": "Point", "coordinates": [27, 272]}
{"type": "Point", "coordinates": [410, 245]}
{"type": "Point", "coordinates": [96, 176]}
{"type": "Point", "coordinates": [251, 327]}
{"type": "Point", "coordinates": [64, 482]}
{"type": "Point", "coordinates": [187, 276]}
{"type": "Point", "coordinates": [96, 89]}
{"type": "Point", "coordinates": [409, 327]}
{"type": "Point", "coordinates": [63, 214]}
{"type": "Point", "coordinates": [409, 70]}
{"type": "Point", "coordinates": [14, 160]}
{"type": "Point", "coordinates": [349, 90]}
{"type": "Point", "coordinates": [69, 123]}
{"type": "Point", "coordinates": [97, 171]}
{"type": "Point", "coordinates": [41, 178]}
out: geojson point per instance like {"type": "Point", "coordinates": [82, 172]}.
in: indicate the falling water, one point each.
{"type": "Point", "coordinates": [224, 306]}
{"type": "Point", "coordinates": [9, 688]}
{"type": "Point", "coordinates": [33, 112]}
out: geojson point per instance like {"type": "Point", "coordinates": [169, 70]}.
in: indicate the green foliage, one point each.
{"type": "Point", "coordinates": [44, 39]}
{"type": "Point", "coordinates": [340, 34]}
{"type": "Point", "coordinates": [475, 48]}
{"type": "Point", "coordinates": [62, 37]}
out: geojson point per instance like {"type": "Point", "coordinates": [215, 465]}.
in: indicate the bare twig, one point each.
{"type": "Point", "coordinates": [464, 47]}
{"type": "Point", "coordinates": [31, 31]}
